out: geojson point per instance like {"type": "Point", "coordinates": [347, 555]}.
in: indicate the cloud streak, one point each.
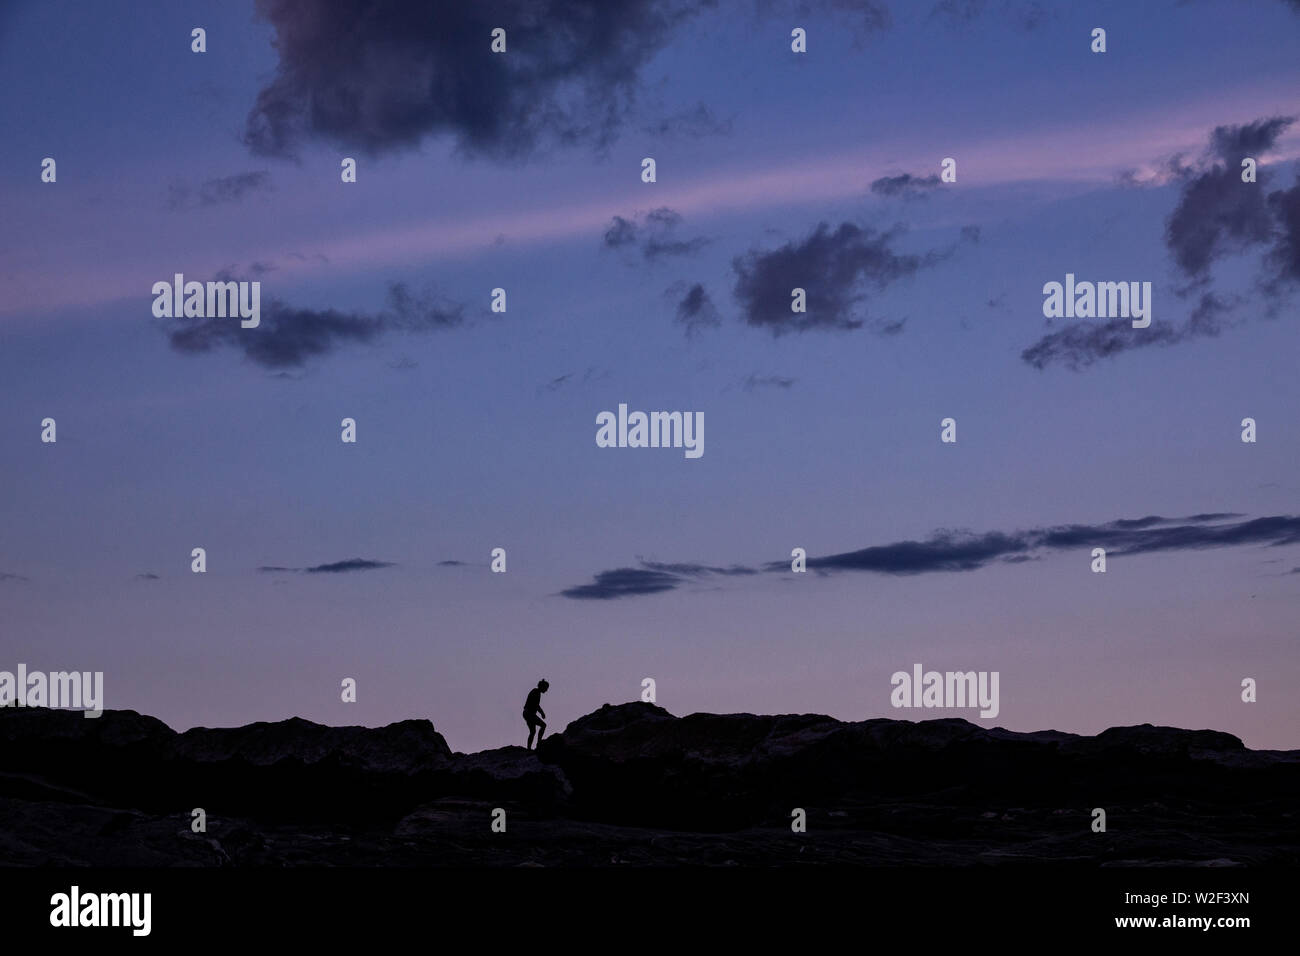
{"type": "Point", "coordinates": [215, 192]}
{"type": "Point", "coordinates": [288, 336]}
{"type": "Point", "coordinates": [948, 551]}
{"type": "Point", "coordinates": [652, 577]}
{"type": "Point", "coordinates": [337, 567]}
{"type": "Point", "coordinates": [964, 551]}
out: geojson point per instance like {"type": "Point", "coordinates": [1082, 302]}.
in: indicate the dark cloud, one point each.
{"type": "Point", "coordinates": [963, 551]}
{"type": "Point", "coordinates": [945, 551]}
{"type": "Point", "coordinates": [227, 189]}
{"type": "Point", "coordinates": [623, 582]}
{"type": "Point", "coordinates": [695, 310]}
{"type": "Point", "coordinates": [834, 268]}
{"type": "Point", "coordinates": [351, 564]}
{"type": "Point", "coordinates": [1233, 143]}
{"type": "Point", "coordinates": [381, 75]}
{"type": "Point", "coordinates": [756, 381]}
{"type": "Point", "coordinates": [7, 576]}
{"type": "Point", "coordinates": [652, 577]}
{"type": "Point", "coordinates": [971, 234]}
{"type": "Point", "coordinates": [1284, 258]}
{"type": "Point", "coordinates": [452, 564]}
{"type": "Point", "coordinates": [621, 232]}
{"type": "Point", "coordinates": [956, 551]}
{"type": "Point", "coordinates": [654, 235]}
{"type": "Point", "coordinates": [1081, 344]}
{"type": "Point", "coordinates": [149, 576]}
{"type": "Point", "coordinates": [692, 570]}
{"type": "Point", "coordinates": [1175, 534]}
{"type": "Point", "coordinates": [287, 336]}
{"type": "Point", "coordinates": [1217, 214]}
{"type": "Point", "coordinates": [905, 186]}
{"type": "Point", "coordinates": [337, 567]}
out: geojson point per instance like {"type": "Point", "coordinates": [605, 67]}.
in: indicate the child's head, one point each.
{"type": "Point", "coordinates": [543, 686]}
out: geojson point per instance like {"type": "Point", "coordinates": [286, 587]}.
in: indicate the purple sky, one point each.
{"type": "Point", "coordinates": [478, 172]}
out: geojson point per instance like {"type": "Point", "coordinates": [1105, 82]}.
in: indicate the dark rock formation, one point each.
{"type": "Point", "coordinates": [633, 784]}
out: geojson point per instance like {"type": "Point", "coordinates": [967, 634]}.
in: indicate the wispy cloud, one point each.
{"type": "Point", "coordinates": [215, 192]}
{"type": "Point", "coordinates": [653, 234]}
{"type": "Point", "coordinates": [695, 309]}
{"type": "Point", "coordinates": [382, 80]}
{"type": "Point", "coordinates": [689, 123]}
{"type": "Point", "coordinates": [651, 577]}
{"type": "Point", "coordinates": [1064, 154]}
{"type": "Point", "coordinates": [755, 381]}
{"type": "Point", "coordinates": [1217, 215]}
{"type": "Point", "coordinates": [836, 268]}
{"type": "Point", "coordinates": [905, 186]}
{"type": "Point", "coordinates": [288, 336]}
{"type": "Point", "coordinates": [592, 374]}
{"type": "Point", "coordinates": [955, 551]}
{"type": "Point", "coordinates": [1081, 344]}
{"type": "Point", "coordinates": [336, 567]}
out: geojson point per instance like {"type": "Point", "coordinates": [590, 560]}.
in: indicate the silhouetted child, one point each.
{"type": "Point", "coordinates": [533, 712]}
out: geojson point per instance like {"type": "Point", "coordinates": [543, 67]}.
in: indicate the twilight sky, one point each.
{"type": "Point", "coordinates": [477, 430]}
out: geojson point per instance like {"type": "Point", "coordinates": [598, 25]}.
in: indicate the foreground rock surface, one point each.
{"type": "Point", "coordinates": [634, 785]}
